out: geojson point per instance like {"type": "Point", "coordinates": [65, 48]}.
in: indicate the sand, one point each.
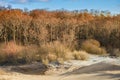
{"type": "Point", "coordinates": [92, 69]}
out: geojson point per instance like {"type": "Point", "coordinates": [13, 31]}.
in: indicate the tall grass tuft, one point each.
{"type": "Point", "coordinates": [80, 55]}
{"type": "Point", "coordinates": [53, 51]}
{"type": "Point", "coordinates": [9, 52]}
{"type": "Point", "coordinates": [93, 47]}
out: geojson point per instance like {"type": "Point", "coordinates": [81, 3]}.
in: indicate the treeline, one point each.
{"type": "Point", "coordinates": [70, 28]}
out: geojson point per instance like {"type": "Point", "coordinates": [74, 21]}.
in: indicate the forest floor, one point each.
{"type": "Point", "coordinates": [95, 68]}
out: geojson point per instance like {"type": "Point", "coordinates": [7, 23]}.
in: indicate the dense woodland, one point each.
{"type": "Point", "coordinates": [70, 28]}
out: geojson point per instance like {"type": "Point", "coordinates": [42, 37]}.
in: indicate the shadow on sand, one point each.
{"type": "Point", "coordinates": [97, 68]}
{"type": "Point", "coordinates": [31, 69]}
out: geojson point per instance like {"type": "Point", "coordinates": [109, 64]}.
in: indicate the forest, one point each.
{"type": "Point", "coordinates": [44, 35]}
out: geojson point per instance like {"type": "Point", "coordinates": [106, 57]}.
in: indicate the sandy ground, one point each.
{"type": "Point", "coordinates": [96, 68]}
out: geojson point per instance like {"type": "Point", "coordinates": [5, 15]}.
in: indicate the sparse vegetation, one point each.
{"type": "Point", "coordinates": [41, 35]}
{"type": "Point", "coordinates": [115, 52]}
{"type": "Point", "coordinates": [80, 55]}
{"type": "Point", "coordinates": [93, 47]}
{"type": "Point", "coordinates": [2, 72]}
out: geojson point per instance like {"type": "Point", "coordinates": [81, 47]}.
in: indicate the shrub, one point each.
{"type": "Point", "coordinates": [52, 57]}
{"type": "Point", "coordinates": [92, 41]}
{"type": "Point", "coordinates": [69, 56]}
{"type": "Point", "coordinates": [115, 52]}
{"type": "Point", "coordinates": [93, 47]}
{"type": "Point", "coordinates": [11, 48]}
{"type": "Point", "coordinates": [28, 54]}
{"type": "Point", "coordinates": [53, 51]}
{"type": "Point", "coordinates": [80, 55]}
{"type": "Point", "coordinates": [12, 53]}
{"type": "Point", "coordinates": [9, 52]}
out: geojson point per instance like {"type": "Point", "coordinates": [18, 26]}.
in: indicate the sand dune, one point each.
{"type": "Point", "coordinates": [100, 70]}
{"type": "Point", "coordinates": [98, 67]}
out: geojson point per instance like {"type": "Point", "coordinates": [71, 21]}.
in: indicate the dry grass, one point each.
{"type": "Point", "coordinates": [2, 72]}
{"type": "Point", "coordinates": [12, 53]}
{"type": "Point", "coordinates": [93, 47]}
{"type": "Point", "coordinates": [80, 55]}
{"type": "Point", "coordinates": [9, 52]}
{"type": "Point", "coordinates": [52, 52]}
{"type": "Point", "coordinates": [115, 52]}
{"type": "Point", "coordinates": [52, 57]}
{"type": "Point", "coordinates": [56, 51]}
{"type": "Point", "coordinates": [94, 42]}
{"type": "Point", "coordinates": [69, 56]}
{"type": "Point", "coordinates": [28, 54]}
{"type": "Point", "coordinates": [11, 48]}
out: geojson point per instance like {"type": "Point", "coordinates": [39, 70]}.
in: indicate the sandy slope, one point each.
{"type": "Point", "coordinates": [102, 75]}
{"type": "Point", "coordinates": [93, 69]}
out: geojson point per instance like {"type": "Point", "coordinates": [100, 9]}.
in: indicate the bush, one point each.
{"type": "Point", "coordinates": [94, 42]}
{"type": "Point", "coordinates": [69, 56]}
{"type": "Point", "coordinates": [115, 52]}
{"type": "Point", "coordinates": [52, 57]}
{"type": "Point", "coordinates": [80, 55]}
{"type": "Point", "coordinates": [11, 53]}
{"type": "Point", "coordinates": [53, 51]}
{"type": "Point", "coordinates": [28, 54]}
{"type": "Point", "coordinates": [11, 48]}
{"type": "Point", "coordinates": [93, 47]}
